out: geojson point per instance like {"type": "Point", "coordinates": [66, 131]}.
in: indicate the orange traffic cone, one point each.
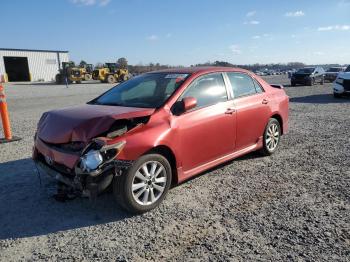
{"type": "Point", "coordinates": [5, 119]}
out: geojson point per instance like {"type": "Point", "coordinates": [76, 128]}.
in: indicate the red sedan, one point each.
{"type": "Point", "coordinates": [157, 129]}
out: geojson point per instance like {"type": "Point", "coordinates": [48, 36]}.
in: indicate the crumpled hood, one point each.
{"type": "Point", "coordinates": [82, 123]}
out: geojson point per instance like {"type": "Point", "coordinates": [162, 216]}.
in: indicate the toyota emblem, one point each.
{"type": "Point", "coordinates": [49, 160]}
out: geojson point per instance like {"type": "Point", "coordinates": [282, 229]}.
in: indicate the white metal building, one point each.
{"type": "Point", "coordinates": [19, 65]}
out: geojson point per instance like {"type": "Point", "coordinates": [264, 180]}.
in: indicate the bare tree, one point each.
{"type": "Point", "coordinates": [122, 62]}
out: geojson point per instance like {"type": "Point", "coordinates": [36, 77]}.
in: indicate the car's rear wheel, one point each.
{"type": "Point", "coordinates": [144, 186]}
{"type": "Point", "coordinates": [293, 83]}
{"type": "Point", "coordinates": [336, 95]}
{"type": "Point", "coordinates": [271, 138]}
{"type": "Point", "coordinates": [322, 81]}
{"type": "Point", "coordinates": [311, 82]}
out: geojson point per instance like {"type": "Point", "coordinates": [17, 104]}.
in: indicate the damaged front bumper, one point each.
{"type": "Point", "coordinates": [67, 168]}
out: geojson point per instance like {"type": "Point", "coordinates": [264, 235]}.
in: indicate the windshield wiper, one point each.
{"type": "Point", "coordinates": [109, 104]}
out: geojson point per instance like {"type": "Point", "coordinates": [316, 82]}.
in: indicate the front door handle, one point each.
{"type": "Point", "coordinates": [265, 101]}
{"type": "Point", "coordinates": [230, 111]}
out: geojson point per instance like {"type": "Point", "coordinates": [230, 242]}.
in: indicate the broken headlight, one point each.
{"type": "Point", "coordinates": [98, 153]}
{"type": "Point", "coordinates": [91, 160]}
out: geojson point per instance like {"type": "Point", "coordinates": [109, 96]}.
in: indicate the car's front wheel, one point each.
{"type": "Point", "coordinates": [144, 185]}
{"type": "Point", "coordinates": [271, 137]}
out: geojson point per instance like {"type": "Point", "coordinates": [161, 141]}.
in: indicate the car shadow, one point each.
{"type": "Point", "coordinates": [320, 99]}
{"type": "Point", "coordinates": [32, 83]}
{"type": "Point", "coordinates": [27, 207]}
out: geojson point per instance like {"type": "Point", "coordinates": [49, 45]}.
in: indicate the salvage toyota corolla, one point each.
{"type": "Point", "coordinates": [157, 129]}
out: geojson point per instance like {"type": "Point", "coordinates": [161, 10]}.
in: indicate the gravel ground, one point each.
{"type": "Point", "coordinates": [293, 206]}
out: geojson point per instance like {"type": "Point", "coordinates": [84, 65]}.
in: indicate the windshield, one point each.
{"type": "Point", "coordinates": [305, 70]}
{"type": "Point", "coordinates": [347, 69]}
{"type": "Point", "coordinates": [334, 69]}
{"type": "Point", "coordinates": [147, 91]}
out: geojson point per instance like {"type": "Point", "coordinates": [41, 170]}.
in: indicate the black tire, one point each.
{"type": "Point", "coordinates": [111, 79]}
{"type": "Point", "coordinates": [293, 83]}
{"type": "Point", "coordinates": [123, 78]}
{"type": "Point", "coordinates": [322, 81]}
{"type": "Point", "coordinates": [266, 149]}
{"type": "Point", "coordinates": [58, 79]}
{"type": "Point", "coordinates": [122, 185]}
{"type": "Point", "coordinates": [78, 82]}
{"type": "Point", "coordinates": [336, 95]}
{"type": "Point", "coordinates": [311, 82]}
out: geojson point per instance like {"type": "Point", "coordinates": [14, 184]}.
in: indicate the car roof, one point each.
{"type": "Point", "coordinates": [201, 69]}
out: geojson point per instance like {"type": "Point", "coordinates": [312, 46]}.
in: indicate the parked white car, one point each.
{"type": "Point", "coordinates": [332, 73]}
{"type": "Point", "coordinates": [341, 86]}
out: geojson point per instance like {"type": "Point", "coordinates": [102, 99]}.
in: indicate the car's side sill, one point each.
{"type": "Point", "coordinates": [184, 175]}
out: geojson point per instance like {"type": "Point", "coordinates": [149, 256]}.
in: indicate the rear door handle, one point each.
{"type": "Point", "coordinates": [265, 101]}
{"type": "Point", "coordinates": [230, 111]}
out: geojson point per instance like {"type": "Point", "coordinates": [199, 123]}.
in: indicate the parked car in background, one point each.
{"type": "Point", "coordinates": [290, 73]}
{"type": "Point", "coordinates": [160, 128]}
{"type": "Point", "coordinates": [308, 76]}
{"type": "Point", "coordinates": [341, 85]}
{"type": "Point", "coordinates": [332, 73]}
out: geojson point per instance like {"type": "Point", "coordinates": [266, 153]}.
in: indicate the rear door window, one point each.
{"type": "Point", "coordinates": [242, 85]}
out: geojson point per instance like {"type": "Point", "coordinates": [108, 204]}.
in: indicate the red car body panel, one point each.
{"type": "Point", "coordinates": [198, 139]}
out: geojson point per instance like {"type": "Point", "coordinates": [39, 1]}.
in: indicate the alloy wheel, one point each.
{"type": "Point", "coordinates": [272, 137]}
{"type": "Point", "coordinates": [149, 183]}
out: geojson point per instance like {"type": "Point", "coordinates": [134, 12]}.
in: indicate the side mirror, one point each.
{"type": "Point", "coordinates": [189, 103]}
{"type": "Point", "coordinates": [184, 105]}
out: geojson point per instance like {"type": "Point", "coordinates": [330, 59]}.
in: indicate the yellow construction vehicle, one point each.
{"type": "Point", "coordinates": [68, 74]}
{"type": "Point", "coordinates": [110, 73]}
{"type": "Point", "coordinates": [99, 73]}
{"type": "Point", "coordinates": [86, 71]}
